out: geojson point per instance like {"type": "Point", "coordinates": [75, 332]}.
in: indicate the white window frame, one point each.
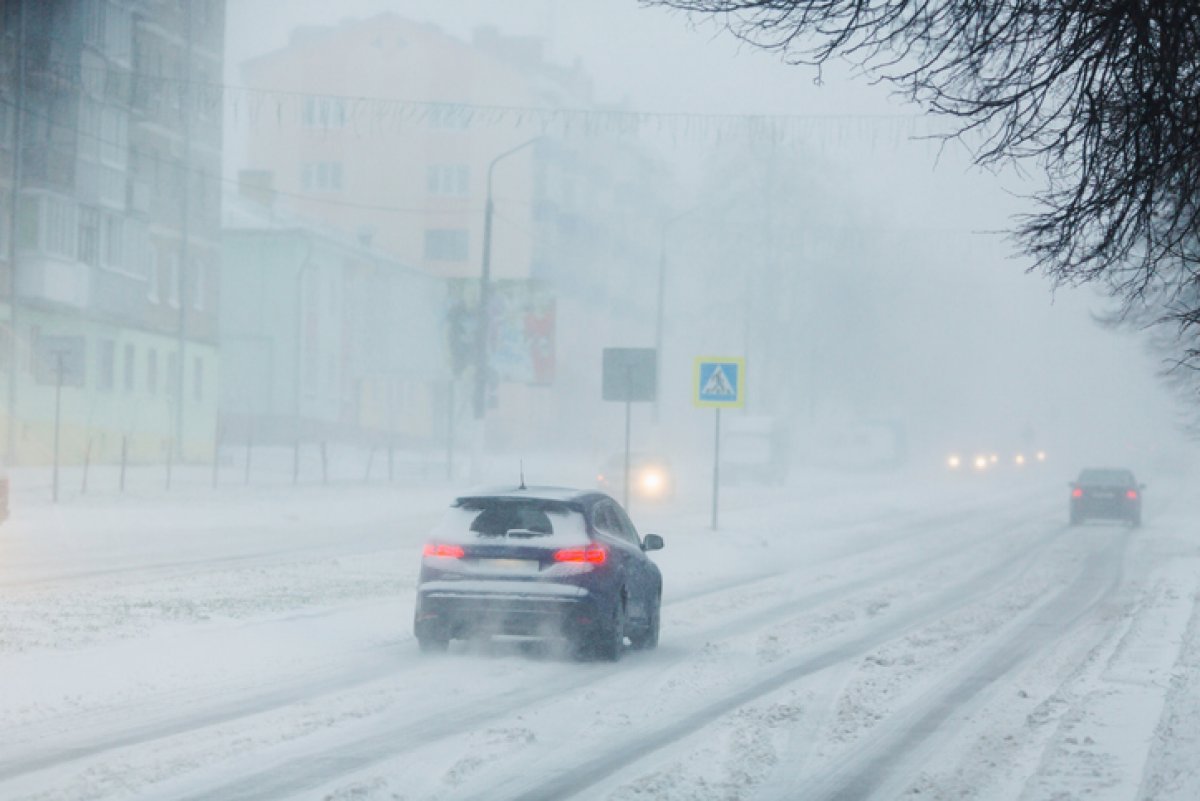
{"type": "Point", "coordinates": [199, 277]}
{"type": "Point", "coordinates": [151, 371]}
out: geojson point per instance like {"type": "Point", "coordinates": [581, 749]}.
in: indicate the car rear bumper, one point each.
{"type": "Point", "coordinates": [462, 609]}
{"type": "Point", "coordinates": [1106, 510]}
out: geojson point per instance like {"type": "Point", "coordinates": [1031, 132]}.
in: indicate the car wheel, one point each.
{"type": "Point", "coordinates": [610, 639]}
{"type": "Point", "coordinates": [1136, 520]}
{"type": "Point", "coordinates": [647, 638]}
{"type": "Point", "coordinates": [433, 645]}
{"type": "Point", "coordinates": [1076, 518]}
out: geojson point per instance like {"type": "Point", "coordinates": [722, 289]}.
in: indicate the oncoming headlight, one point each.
{"type": "Point", "coordinates": [652, 481]}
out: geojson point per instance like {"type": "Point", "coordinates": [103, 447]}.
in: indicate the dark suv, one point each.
{"type": "Point", "coordinates": [540, 562]}
{"type": "Point", "coordinates": [1106, 493]}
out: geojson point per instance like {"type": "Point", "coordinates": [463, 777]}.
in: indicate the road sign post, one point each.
{"type": "Point", "coordinates": [630, 376]}
{"type": "Point", "coordinates": [719, 383]}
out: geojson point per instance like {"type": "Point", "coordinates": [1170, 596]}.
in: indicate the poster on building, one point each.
{"type": "Point", "coordinates": [522, 335]}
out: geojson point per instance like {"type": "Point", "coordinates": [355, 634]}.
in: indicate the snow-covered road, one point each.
{"type": "Point", "coordinates": [835, 639]}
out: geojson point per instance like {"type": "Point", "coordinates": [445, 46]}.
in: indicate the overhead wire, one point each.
{"type": "Point", "coordinates": [160, 160]}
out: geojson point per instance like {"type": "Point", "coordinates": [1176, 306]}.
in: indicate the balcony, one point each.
{"type": "Point", "coordinates": [54, 280]}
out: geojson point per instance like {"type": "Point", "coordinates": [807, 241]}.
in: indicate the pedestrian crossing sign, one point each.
{"type": "Point", "coordinates": [720, 382]}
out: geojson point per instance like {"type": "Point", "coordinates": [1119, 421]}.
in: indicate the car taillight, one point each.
{"type": "Point", "coordinates": [447, 551]}
{"type": "Point", "coordinates": [1077, 493]}
{"type": "Point", "coordinates": [592, 555]}
{"type": "Point", "coordinates": [1131, 495]}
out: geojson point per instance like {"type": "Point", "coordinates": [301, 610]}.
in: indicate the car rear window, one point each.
{"type": "Point", "coordinates": [1106, 477]}
{"type": "Point", "coordinates": [483, 520]}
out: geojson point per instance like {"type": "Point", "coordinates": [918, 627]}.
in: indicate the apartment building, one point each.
{"type": "Point", "coordinates": [111, 264]}
{"type": "Point", "coordinates": [388, 128]}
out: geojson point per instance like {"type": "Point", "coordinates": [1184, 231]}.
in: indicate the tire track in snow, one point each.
{"type": "Point", "coordinates": [876, 768]}
{"type": "Point", "coordinates": [377, 667]}
{"type": "Point", "coordinates": [298, 775]}
{"type": "Point", "coordinates": [919, 526]}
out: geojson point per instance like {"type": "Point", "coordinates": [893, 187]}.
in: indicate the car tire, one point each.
{"type": "Point", "coordinates": [647, 638]}
{"type": "Point", "coordinates": [433, 645]}
{"type": "Point", "coordinates": [610, 638]}
{"type": "Point", "coordinates": [1076, 518]}
{"type": "Point", "coordinates": [1136, 520]}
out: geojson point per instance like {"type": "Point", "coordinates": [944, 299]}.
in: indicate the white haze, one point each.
{"type": "Point", "coordinates": [963, 346]}
{"type": "Point", "coordinates": [244, 628]}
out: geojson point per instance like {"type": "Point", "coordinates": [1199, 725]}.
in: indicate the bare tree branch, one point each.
{"type": "Point", "coordinates": [1102, 95]}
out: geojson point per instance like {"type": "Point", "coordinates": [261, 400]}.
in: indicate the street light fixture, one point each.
{"type": "Point", "coordinates": [662, 286]}
{"type": "Point", "coordinates": [481, 324]}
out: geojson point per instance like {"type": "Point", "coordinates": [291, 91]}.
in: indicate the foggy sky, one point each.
{"type": "Point", "coordinates": [1011, 348]}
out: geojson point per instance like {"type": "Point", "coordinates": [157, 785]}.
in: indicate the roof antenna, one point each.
{"type": "Point", "coordinates": [522, 462]}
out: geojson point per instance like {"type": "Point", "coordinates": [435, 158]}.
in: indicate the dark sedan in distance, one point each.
{"type": "Point", "coordinates": [539, 562]}
{"type": "Point", "coordinates": [1106, 493]}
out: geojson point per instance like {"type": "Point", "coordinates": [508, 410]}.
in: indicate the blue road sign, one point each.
{"type": "Point", "coordinates": [720, 382]}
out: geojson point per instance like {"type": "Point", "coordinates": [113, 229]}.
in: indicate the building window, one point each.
{"type": "Point", "coordinates": [49, 225]}
{"type": "Point", "coordinates": [89, 235]}
{"type": "Point", "coordinates": [167, 273]}
{"type": "Point", "coordinates": [118, 33]}
{"type": "Point", "coordinates": [198, 378]}
{"type": "Point", "coordinates": [171, 379]}
{"type": "Point", "coordinates": [130, 365]}
{"type": "Point", "coordinates": [91, 130]}
{"type": "Point", "coordinates": [154, 279]}
{"type": "Point", "coordinates": [446, 244]}
{"type": "Point", "coordinates": [323, 176]}
{"type": "Point", "coordinates": [114, 141]}
{"type": "Point", "coordinates": [93, 23]}
{"type": "Point", "coordinates": [114, 242]}
{"type": "Point", "coordinates": [106, 357]}
{"type": "Point", "coordinates": [323, 112]}
{"type": "Point", "coordinates": [199, 276]}
{"type": "Point", "coordinates": [7, 123]}
{"type": "Point", "coordinates": [451, 180]}
{"type": "Point", "coordinates": [174, 280]}
{"type": "Point", "coordinates": [152, 371]}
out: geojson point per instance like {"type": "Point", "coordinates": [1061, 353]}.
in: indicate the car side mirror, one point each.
{"type": "Point", "coordinates": [1071, 484]}
{"type": "Point", "coordinates": [1141, 486]}
{"type": "Point", "coordinates": [652, 542]}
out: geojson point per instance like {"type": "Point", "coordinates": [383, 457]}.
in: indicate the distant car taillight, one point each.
{"type": "Point", "coordinates": [1131, 495]}
{"type": "Point", "coordinates": [592, 555]}
{"type": "Point", "coordinates": [447, 551]}
{"type": "Point", "coordinates": [1077, 493]}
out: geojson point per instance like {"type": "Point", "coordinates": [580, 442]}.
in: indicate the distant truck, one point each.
{"type": "Point", "coordinates": [754, 450]}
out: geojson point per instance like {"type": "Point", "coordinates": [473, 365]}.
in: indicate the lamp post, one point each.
{"type": "Point", "coordinates": [481, 325]}
{"type": "Point", "coordinates": [658, 316]}
{"type": "Point", "coordinates": [662, 288]}
{"type": "Point", "coordinates": [306, 267]}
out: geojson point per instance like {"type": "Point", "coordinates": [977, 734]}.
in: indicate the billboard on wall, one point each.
{"type": "Point", "coordinates": [521, 337]}
{"type": "Point", "coordinates": [522, 332]}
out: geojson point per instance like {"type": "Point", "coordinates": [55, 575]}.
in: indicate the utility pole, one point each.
{"type": "Point", "coordinates": [481, 323]}
{"type": "Point", "coordinates": [185, 110]}
{"type": "Point", "coordinates": [59, 369]}
{"type": "Point", "coordinates": [485, 279]}
{"type": "Point", "coordinates": [10, 446]}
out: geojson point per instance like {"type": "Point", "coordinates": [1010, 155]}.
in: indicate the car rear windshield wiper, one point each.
{"type": "Point", "coordinates": [525, 533]}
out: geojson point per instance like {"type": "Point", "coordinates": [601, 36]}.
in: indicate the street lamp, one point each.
{"type": "Point", "coordinates": [306, 267]}
{"type": "Point", "coordinates": [481, 324]}
{"type": "Point", "coordinates": [658, 318]}
{"type": "Point", "coordinates": [662, 287]}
